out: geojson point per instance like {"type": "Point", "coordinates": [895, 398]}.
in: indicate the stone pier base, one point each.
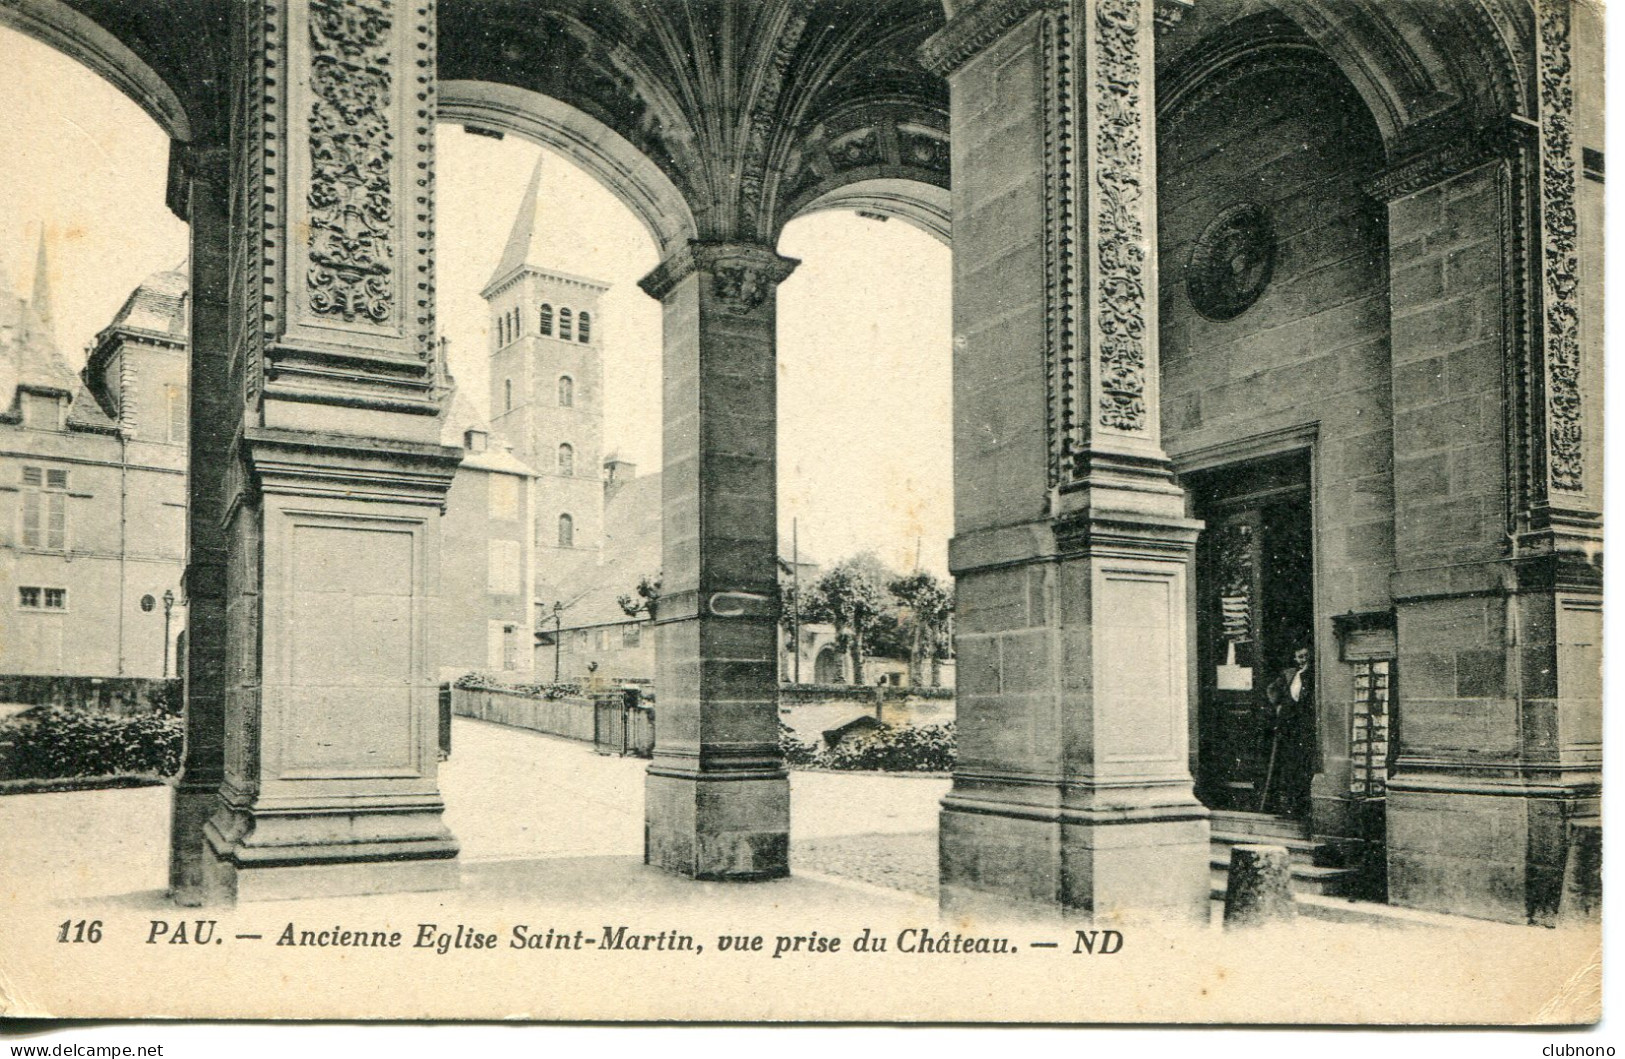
{"type": "Point", "coordinates": [1095, 867]}
{"type": "Point", "coordinates": [720, 827]}
{"type": "Point", "coordinates": [268, 856]}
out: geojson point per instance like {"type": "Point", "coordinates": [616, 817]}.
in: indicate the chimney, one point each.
{"type": "Point", "coordinates": [617, 472]}
{"type": "Point", "coordinates": [474, 439]}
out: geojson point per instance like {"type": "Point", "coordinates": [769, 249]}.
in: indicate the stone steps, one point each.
{"type": "Point", "coordinates": [1312, 873]}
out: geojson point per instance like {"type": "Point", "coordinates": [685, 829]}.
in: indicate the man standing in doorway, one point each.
{"type": "Point", "coordinates": [1292, 762]}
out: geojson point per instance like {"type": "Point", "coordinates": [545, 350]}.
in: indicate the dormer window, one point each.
{"type": "Point", "coordinates": [584, 327]}
{"type": "Point", "coordinates": [547, 320]}
{"type": "Point", "coordinates": [564, 324]}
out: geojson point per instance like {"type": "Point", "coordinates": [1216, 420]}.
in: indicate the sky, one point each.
{"type": "Point", "coordinates": [865, 457]}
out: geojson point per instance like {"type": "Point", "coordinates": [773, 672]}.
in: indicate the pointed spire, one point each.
{"type": "Point", "coordinates": [516, 254]}
{"type": "Point", "coordinates": [41, 301]}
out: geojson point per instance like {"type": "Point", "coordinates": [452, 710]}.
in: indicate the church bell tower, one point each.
{"type": "Point", "coordinates": [547, 385]}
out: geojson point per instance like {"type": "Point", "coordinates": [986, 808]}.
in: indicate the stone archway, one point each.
{"type": "Point", "coordinates": [621, 167]}
{"type": "Point", "coordinates": [74, 34]}
{"type": "Point", "coordinates": [1071, 537]}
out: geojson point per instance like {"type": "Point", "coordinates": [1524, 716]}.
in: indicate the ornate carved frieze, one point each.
{"type": "Point", "coordinates": [764, 118]}
{"type": "Point", "coordinates": [741, 275]}
{"type": "Point", "coordinates": [1168, 14]}
{"type": "Point", "coordinates": [352, 193]}
{"type": "Point", "coordinates": [1447, 159]}
{"type": "Point", "coordinates": [918, 147]}
{"type": "Point", "coordinates": [1119, 169]}
{"type": "Point", "coordinates": [973, 29]}
{"type": "Point", "coordinates": [856, 149]}
{"type": "Point", "coordinates": [1561, 257]}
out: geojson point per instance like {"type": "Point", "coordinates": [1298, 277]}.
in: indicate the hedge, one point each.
{"type": "Point", "coordinates": [54, 742]}
{"type": "Point", "coordinates": [483, 682]}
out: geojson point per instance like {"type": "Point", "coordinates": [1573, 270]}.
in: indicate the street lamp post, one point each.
{"type": "Point", "coordinates": [558, 637]}
{"type": "Point", "coordinates": [169, 604]}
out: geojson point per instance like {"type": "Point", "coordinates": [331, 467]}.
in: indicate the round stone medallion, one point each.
{"type": "Point", "coordinates": [1232, 262]}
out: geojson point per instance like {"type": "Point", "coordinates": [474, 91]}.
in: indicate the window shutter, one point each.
{"type": "Point", "coordinates": [57, 536]}
{"type": "Point", "coordinates": [56, 479]}
{"type": "Point", "coordinates": [31, 520]}
{"type": "Point", "coordinates": [177, 415]}
{"type": "Point", "coordinates": [33, 476]}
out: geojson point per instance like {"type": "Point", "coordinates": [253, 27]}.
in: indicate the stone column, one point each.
{"type": "Point", "coordinates": [1073, 792]}
{"type": "Point", "coordinates": [717, 795]}
{"type": "Point", "coordinates": [333, 493]}
{"type": "Point", "coordinates": [199, 192]}
{"type": "Point", "coordinates": [1495, 264]}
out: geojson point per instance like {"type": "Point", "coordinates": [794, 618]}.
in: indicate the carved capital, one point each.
{"type": "Point", "coordinates": [741, 275]}
{"type": "Point", "coordinates": [974, 28]}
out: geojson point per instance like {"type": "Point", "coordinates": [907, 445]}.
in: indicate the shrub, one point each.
{"type": "Point", "coordinates": [888, 748]}
{"type": "Point", "coordinates": [55, 742]}
{"type": "Point", "coordinates": [486, 682]}
{"type": "Point", "coordinates": [797, 752]}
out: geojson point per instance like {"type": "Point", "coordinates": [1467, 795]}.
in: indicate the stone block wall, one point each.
{"type": "Point", "coordinates": [1311, 356]}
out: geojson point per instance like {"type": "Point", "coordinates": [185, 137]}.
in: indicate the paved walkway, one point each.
{"type": "Point", "coordinates": [520, 803]}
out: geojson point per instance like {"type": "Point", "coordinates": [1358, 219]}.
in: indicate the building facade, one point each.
{"type": "Point", "coordinates": [487, 571]}
{"type": "Point", "coordinates": [93, 489]}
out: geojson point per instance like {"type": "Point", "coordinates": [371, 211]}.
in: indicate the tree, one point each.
{"type": "Point", "coordinates": [851, 595]}
{"type": "Point", "coordinates": [930, 606]}
{"type": "Point", "coordinates": [647, 598]}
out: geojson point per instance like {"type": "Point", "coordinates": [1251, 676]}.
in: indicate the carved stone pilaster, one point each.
{"type": "Point", "coordinates": [1073, 775]}
{"type": "Point", "coordinates": [333, 116]}
{"type": "Point", "coordinates": [1560, 258]}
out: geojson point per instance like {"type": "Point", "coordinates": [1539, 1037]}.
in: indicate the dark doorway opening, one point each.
{"type": "Point", "coordinates": [1255, 608]}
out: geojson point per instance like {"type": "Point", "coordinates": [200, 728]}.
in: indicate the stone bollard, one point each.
{"type": "Point", "coordinates": [1260, 887]}
{"type": "Point", "coordinates": [1582, 874]}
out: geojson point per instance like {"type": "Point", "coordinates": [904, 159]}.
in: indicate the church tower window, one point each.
{"type": "Point", "coordinates": [567, 392]}
{"type": "Point", "coordinates": [547, 320]}
{"type": "Point", "coordinates": [567, 532]}
{"type": "Point", "coordinates": [567, 459]}
{"type": "Point", "coordinates": [564, 324]}
{"type": "Point", "coordinates": [507, 395]}
{"type": "Point", "coordinates": [584, 327]}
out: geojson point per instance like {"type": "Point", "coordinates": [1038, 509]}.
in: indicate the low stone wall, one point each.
{"type": "Point", "coordinates": [571, 718]}
{"type": "Point", "coordinates": [116, 694]}
{"type": "Point", "coordinates": [813, 711]}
